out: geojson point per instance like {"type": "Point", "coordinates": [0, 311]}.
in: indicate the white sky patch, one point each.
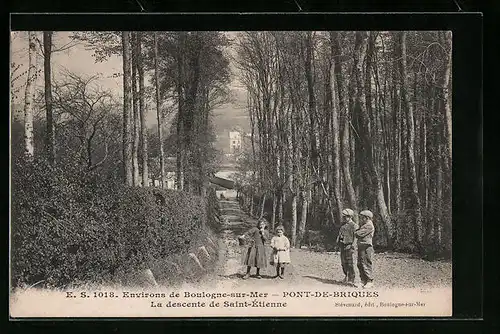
{"type": "Point", "coordinates": [80, 61]}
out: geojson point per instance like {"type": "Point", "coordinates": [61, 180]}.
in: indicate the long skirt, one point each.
{"type": "Point", "coordinates": [255, 256]}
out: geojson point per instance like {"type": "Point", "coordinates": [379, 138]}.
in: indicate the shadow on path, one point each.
{"type": "Point", "coordinates": [326, 281]}
{"type": "Point", "coordinates": [233, 276]}
{"type": "Point", "coordinates": [240, 276]}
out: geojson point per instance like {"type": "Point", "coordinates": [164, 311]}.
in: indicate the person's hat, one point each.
{"type": "Point", "coordinates": [280, 228]}
{"type": "Point", "coordinates": [348, 212]}
{"type": "Point", "coordinates": [367, 213]}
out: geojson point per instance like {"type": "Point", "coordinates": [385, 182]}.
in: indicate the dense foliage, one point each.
{"type": "Point", "coordinates": [82, 206]}
{"type": "Point", "coordinates": [69, 226]}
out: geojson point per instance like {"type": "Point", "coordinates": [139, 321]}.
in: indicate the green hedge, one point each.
{"type": "Point", "coordinates": [68, 227]}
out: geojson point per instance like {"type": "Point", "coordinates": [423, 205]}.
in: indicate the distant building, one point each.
{"type": "Point", "coordinates": [234, 142]}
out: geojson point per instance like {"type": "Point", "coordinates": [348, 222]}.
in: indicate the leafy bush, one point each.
{"type": "Point", "coordinates": [213, 209]}
{"type": "Point", "coordinates": [68, 226]}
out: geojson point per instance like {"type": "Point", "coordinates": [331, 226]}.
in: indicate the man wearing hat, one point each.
{"type": "Point", "coordinates": [345, 240]}
{"type": "Point", "coordinates": [365, 248]}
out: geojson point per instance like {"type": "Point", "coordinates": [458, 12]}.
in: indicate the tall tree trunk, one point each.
{"type": "Point", "coordinates": [359, 54]}
{"type": "Point", "coordinates": [292, 170]}
{"type": "Point", "coordinates": [50, 133]}
{"type": "Point", "coordinates": [397, 117]}
{"type": "Point", "coordinates": [136, 117]}
{"type": "Point", "coordinates": [377, 145]}
{"type": "Point", "coordinates": [89, 151]}
{"type": "Point", "coordinates": [438, 227]}
{"type": "Point", "coordinates": [424, 179]}
{"type": "Point", "coordinates": [303, 219]}
{"type": "Point", "coordinates": [283, 173]}
{"type": "Point", "coordinates": [191, 116]}
{"type": "Point", "coordinates": [418, 227]}
{"type": "Point", "coordinates": [281, 204]}
{"type": "Point", "coordinates": [446, 96]}
{"type": "Point", "coordinates": [335, 142]}
{"type": "Point", "coordinates": [273, 216]}
{"type": "Point", "coordinates": [158, 113]}
{"type": "Point", "coordinates": [180, 150]}
{"type": "Point", "coordinates": [180, 153]}
{"type": "Point", "coordinates": [388, 178]}
{"type": "Point", "coordinates": [344, 115]}
{"type": "Point", "coordinates": [423, 176]}
{"type": "Point", "coordinates": [293, 232]}
{"type": "Point", "coordinates": [127, 109]}
{"type": "Point", "coordinates": [386, 129]}
{"type": "Point", "coordinates": [262, 206]}
{"type": "Point", "coordinates": [142, 112]}
{"type": "Point", "coordinates": [29, 96]}
{"type": "Point", "coordinates": [204, 132]}
{"type": "Point", "coordinates": [311, 99]}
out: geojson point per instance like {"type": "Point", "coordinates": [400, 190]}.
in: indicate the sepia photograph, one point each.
{"type": "Point", "coordinates": [190, 174]}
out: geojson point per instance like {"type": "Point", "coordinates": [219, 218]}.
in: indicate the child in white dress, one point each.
{"type": "Point", "coordinates": [281, 252]}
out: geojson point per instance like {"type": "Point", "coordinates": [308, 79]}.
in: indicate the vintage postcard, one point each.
{"type": "Point", "coordinates": [254, 173]}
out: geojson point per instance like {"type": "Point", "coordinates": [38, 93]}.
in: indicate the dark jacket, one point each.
{"type": "Point", "coordinates": [346, 233]}
{"type": "Point", "coordinates": [256, 252]}
{"type": "Point", "coordinates": [365, 233]}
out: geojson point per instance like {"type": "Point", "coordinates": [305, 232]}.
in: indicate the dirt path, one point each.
{"type": "Point", "coordinates": [310, 272]}
{"type": "Point", "coordinates": [392, 270]}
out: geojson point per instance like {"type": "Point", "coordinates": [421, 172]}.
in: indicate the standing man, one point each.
{"type": "Point", "coordinates": [365, 248]}
{"type": "Point", "coordinates": [345, 241]}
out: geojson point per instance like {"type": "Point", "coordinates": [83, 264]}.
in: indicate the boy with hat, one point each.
{"type": "Point", "coordinates": [345, 240]}
{"type": "Point", "coordinates": [365, 234]}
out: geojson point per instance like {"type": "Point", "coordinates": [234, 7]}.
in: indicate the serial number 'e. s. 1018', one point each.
{"type": "Point", "coordinates": [94, 294]}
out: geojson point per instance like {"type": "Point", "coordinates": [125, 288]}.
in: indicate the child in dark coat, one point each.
{"type": "Point", "coordinates": [256, 253]}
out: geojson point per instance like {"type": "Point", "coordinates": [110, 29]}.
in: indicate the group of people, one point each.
{"type": "Point", "coordinates": [256, 252]}
{"type": "Point", "coordinates": [350, 234]}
